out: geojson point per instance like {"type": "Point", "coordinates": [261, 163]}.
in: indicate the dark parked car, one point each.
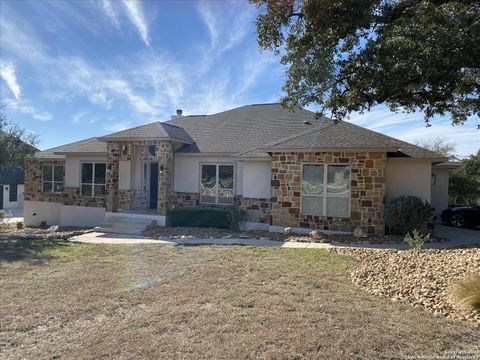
{"type": "Point", "coordinates": [462, 216]}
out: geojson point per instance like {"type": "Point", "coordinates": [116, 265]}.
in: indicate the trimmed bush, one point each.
{"type": "Point", "coordinates": [223, 218]}
{"type": "Point", "coordinates": [19, 225]}
{"type": "Point", "coordinates": [467, 292]}
{"type": "Point", "coordinates": [407, 213]}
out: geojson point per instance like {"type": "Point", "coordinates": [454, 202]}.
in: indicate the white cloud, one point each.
{"type": "Point", "coordinates": [111, 12]}
{"type": "Point", "coordinates": [79, 116]}
{"type": "Point", "coordinates": [7, 73]}
{"type": "Point", "coordinates": [25, 108]}
{"type": "Point", "coordinates": [135, 14]}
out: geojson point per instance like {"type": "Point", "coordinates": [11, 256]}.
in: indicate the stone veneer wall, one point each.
{"type": "Point", "coordinates": [70, 196]}
{"type": "Point", "coordinates": [258, 210]}
{"type": "Point", "coordinates": [130, 199]}
{"type": "Point", "coordinates": [367, 186]}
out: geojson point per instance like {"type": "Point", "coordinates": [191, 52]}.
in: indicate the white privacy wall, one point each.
{"type": "Point", "coordinates": [407, 176]}
{"type": "Point", "coordinates": [256, 179]}
{"type": "Point", "coordinates": [72, 168]}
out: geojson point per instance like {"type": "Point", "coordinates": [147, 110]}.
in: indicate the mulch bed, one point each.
{"type": "Point", "coordinates": [55, 232]}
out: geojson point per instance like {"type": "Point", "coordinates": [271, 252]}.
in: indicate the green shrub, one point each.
{"type": "Point", "coordinates": [19, 225]}
{"type": "Point", "coordinates": [467, 292]}
{"type": "Point", "coordinates": [223, 218]}
{"type": "Point", "coordinates": [407, 213]}
{"type": "Point", "coordinates": [416, 240]}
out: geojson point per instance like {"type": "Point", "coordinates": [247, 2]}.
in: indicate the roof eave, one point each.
{"type": "Point", "coordinates": [336, 149]}
{"type": "Point", "coordinates": [144, 139]}
{"type": "Point", "coordinates": [95, 153]}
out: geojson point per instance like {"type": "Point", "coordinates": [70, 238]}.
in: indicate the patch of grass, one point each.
{"type": "Point", "coordinates": [467, 292]}
{"type": "Point", "coordinates": [14, 250]}
{"type": "Point", "coordinates": [207, 302]}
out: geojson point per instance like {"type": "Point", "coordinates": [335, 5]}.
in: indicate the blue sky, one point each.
{"type": "Point", "coordinates": [75, 69]}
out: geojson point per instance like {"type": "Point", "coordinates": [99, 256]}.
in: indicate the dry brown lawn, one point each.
{"type": "Point", "coordinates": [64, 300]}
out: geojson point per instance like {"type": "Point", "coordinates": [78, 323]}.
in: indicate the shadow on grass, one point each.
{"type": "Point", "coordinates": [38, 251]}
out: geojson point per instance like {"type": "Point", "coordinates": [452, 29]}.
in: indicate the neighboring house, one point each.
{"type": "Point", "coordinates": [285, 168]}
{"type": "Point", "coordinates": [440, 176]}
{"type": "Point", "coordinates": [11, 189]}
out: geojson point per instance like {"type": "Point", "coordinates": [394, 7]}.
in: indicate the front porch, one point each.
{"type": "Point", "coordinates": [139, 176]}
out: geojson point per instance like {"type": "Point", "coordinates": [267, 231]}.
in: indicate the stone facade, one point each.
{"type": "Point", "coordinates": [70, 196]}
{"type": "Point", "coordinates": [134, 199]}
{"type": "Point", "coordinates": [367, 187]}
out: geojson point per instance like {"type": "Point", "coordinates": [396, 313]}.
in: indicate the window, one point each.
{"type": "Point", "coordinates": [326, 190]}
{"type": "Point", "coordinates": [13, 195]}
{"type": "Point", "coordinates": [151, 151]}
{"type": "Point", "coordinates": [216, 184]}
{"type": "Point", "coordinates": [93, 179]}
{"type": "Point", "coordinates": [52, 178]}
{"type": "Point", "coordinates": [434, 179]}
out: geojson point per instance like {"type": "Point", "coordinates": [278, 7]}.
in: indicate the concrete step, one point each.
{"type": "Point", "coordinates": [126, 225]}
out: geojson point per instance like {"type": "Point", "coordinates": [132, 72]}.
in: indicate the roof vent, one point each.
{"type": "Point", "coordinates": [307, 122]}
{"type": "Point", "coordinates": [179, 112]}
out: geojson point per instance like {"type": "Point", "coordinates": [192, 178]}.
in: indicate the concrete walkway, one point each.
{"type": "Point", "coordinates": [106, 238]}
{"type": "Point", "coordinates": [456, 239]}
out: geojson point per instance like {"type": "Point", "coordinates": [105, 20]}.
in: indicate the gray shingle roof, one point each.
{"type": "Point", "coordinates": [91, 145]}
{"type": "Point", "coordinates": [252, 130]}
{"type": "Point", "coordinates": [346, 135]}
{"type": "Point", "coordinates": [242, 129]}
{"type": "Point", "coordinates": [155, 130]}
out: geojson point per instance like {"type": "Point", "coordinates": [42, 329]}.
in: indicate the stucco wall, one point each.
{"type": "Point", "coordinates": [55, 213]}
{"type": "Point", "coordinates": [256, 179]}
{"type": "Point", "coordinates": [439, 194]}
{"type": "Point", "coordinates": [187, 172]}
{"type": "Point", "coordinates": [72, 168]}
{"type": "Point", "coordinates": [407, 176]}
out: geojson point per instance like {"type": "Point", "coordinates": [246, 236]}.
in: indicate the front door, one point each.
{"type": "Point", "coordinates": [1, 197]}
{"type": "Point", "coordinates": [153, 185]}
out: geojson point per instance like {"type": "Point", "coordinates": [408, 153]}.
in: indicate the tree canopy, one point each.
{"type": "Point", "coordinates": [439, 145]}
{"type": "Point", "coordinates": [16, 144]}
{"type": "Point", "coordinates": [350, 55]}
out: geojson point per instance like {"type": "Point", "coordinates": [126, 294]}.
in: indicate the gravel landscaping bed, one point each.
{"type": "Point", "coordinates": [422, 278]}
{"type": "Point", "coordinates": [166, 233]}
{"type": "Point", "coordinates": [54, 232]}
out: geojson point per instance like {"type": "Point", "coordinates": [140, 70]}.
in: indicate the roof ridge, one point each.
{"type": "Point", "coordinates": [72, 143]}
{"type": "Point", "coordinates": [306, 132]}
{"type": "Point", "coordinates": [392, 138]}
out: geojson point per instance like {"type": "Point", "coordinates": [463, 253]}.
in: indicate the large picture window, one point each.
{"type": "Point", "coordinates": [93, 179]}
{"type": "Point", "coordinates": [326, 190]}
{"type": "Point", "coordinates": [216, 184]}
{"type": "Point", "coordinates": [52, 178]}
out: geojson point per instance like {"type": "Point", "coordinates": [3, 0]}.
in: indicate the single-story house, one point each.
{"type": "Point", "coordinates": [285, 168]}
{"type": "Point", "coordinates": [11, 189]}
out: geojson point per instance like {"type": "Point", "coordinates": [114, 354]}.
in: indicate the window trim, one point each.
{"type": "Point", "coordinates": [325, 194]}
{"type": "Point", "coordinates": [217, 164]}
{"type": "Point", "coordinates": [53, 179]}
{"type": "Point", "coordinates": [93, 178]}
